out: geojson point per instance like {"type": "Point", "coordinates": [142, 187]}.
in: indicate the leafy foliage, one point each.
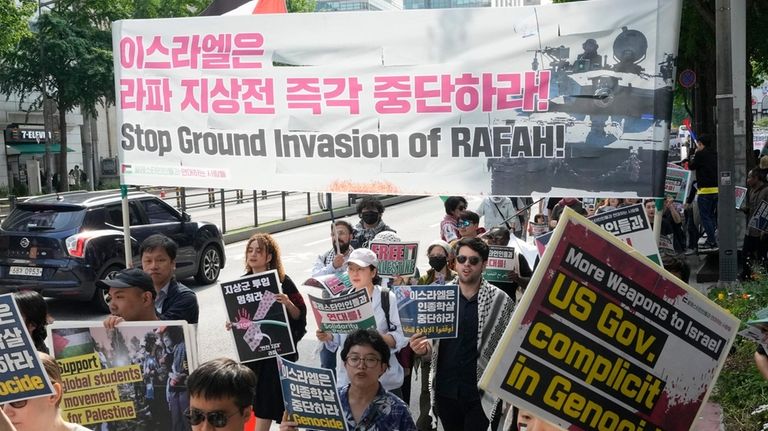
{"type": "Point", "coordinates": [13, 21]}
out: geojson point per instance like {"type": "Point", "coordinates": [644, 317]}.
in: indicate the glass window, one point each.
{"type": "Point", "coordinates": [158, 212]}
{"type": "Point", "coordinates": [29, 218]}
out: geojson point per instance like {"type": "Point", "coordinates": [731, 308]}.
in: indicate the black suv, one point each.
{"type": "Point", "coordinates": [61, 244]}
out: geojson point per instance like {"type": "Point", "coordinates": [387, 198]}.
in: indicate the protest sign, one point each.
{"type": "Point", "coordinates": [740, 193]}
{"type": "Point", "coordinates": [395, 258]}
{"type": "Point", "coordinates": [603, 338]}
{"type": "Point", "coordinates": [132, 377]}
{"type": "Point", "coordinates": [343, 314]}
{"type": "Point", "coordinates": [335, 284]}
{"type": "Point", "coordinates": [364, 109]}
{"type": "Point", "coordinates": [677, 183]}
{"type": "Point", "coordinates": [629, 224]}
{"type": "Point", "coordinates": [759, 221]}
{"type": "Point", "coordinates": [23, 376]}
{"type": "Point", "coordinates": [310, 396]}
{"type": "Point", "coordinates": [502, 263]}
{"type": "Point", "coordinates": [259, 323]}
{"type": "Point", "coordinates": [757, 329]}
{"type": "Point", "coordinates": [432, 310]}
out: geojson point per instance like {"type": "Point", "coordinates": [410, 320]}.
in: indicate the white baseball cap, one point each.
{"type": "Point", "coordinates": [363, 257]}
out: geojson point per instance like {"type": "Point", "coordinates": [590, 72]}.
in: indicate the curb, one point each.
{"type": "Point", "coordinates": [244, 234]}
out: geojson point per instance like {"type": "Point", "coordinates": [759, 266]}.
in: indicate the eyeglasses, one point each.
{"type": "Point", "coordinates": [16, 404]}
{"type": "Point", "coordinates": [217, 418]}
{"type": "Point", "coordinates": [464, 223]}
{"type": "Point", "coordinates": [354, 361]}
{"type": "Point", "coordinates": [473, 260]}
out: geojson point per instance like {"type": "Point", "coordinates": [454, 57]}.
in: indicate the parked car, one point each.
{"type": "Point", "coordinates": [61, 244]}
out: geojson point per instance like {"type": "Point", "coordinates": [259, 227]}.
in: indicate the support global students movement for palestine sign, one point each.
{"type": "Point", "coordinates": [526, 100]}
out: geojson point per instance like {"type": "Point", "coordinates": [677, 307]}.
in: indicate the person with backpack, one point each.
{"type": "Point", "coordinates": [362, 270]}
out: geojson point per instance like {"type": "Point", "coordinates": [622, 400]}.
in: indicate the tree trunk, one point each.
{"type": "Point", "coordinates": [63, 171]}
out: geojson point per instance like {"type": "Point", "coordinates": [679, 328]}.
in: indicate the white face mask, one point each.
{"type": "Point", "coordinates": [497, 199]}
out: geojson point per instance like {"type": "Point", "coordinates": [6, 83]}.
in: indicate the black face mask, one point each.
{"type": "Point", "coordinates": [370, 217]}
{"type": "Point", "coordinates": [438, 262]}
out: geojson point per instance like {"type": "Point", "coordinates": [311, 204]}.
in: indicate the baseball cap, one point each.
{"type": "Point", "coordinates": [363, 257]}
{"type": "Point", "coordinates": [129, 277]}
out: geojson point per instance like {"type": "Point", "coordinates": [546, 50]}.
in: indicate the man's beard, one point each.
{"type": "Point", "coordinates": [343, 247]}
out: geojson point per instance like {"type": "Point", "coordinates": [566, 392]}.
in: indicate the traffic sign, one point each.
{"type": "Point", "coordinates": [687, 78]}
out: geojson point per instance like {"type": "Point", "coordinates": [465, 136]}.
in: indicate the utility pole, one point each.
{"type": "Point", "coordinates": [726, 211]}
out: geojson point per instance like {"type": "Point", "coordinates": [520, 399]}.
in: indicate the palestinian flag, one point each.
{"type": "Point", "coordinates": [244, 7]}
{"type": "Point", "coordinates": [69, 342]}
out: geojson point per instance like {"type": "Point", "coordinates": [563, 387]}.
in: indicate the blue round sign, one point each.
{"type": "Point", "coordinates": [687, 78]}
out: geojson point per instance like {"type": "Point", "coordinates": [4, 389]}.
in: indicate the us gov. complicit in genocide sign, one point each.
{"type": "Point", "coordinates": [526, 100]}
{"type": "Point", "coordinates": [606, 339]}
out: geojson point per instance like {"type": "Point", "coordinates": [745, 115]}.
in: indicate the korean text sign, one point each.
{"type": "Point", "coordinates": [259, 323]}
{"type": "Point", "coordinates": [344, 314]}
{"type": "Point", "coordinates": [432, 310]}
{"type": "Point", "coordinates": [677, 184]}
{"type": "Point", "coordinates": [310, 396]}
{"type": "Point", "coordinates": [629, 224]}
{"type": "Point", "coordinates": [609, 331]}
{"type": "Point", "coordinates": [121, 376]}
{"type": "Point", "coordinates": [759, 221]}
{"type": "Point", "coordinates": [207, 101]}
{"type": "Point", "coordinates": [502, 262]}
{"type": "Point", "coordinates": [23, 376]}
{"type": "Point", "coordinates": [395, 258]}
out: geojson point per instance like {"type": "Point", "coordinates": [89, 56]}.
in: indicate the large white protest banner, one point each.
{"type": "Point", "coordinates": [401, 102]}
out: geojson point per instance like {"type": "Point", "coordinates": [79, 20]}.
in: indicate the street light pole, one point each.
{"type": "Point", "coordinates": [47, 112]}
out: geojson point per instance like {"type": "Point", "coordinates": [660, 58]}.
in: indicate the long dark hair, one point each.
{"type": "Point", "coordinates": [35, 311]}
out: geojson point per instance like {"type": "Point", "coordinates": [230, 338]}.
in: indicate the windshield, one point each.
{"type": "Point", "coordinates": [28, 219]}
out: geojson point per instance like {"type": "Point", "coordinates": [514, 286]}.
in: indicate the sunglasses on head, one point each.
{"type": "Point", "coordinates": [218, 419]}
{"type": "Point", "coordinates": [16, 404]}
{"type": "Point", "coordinates": [473, 260]}
{"type": "Point", "coordinates": [463, 223]}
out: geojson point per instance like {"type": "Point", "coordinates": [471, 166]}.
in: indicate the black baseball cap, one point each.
{"type": "Point", "coordinates": [129, 277]}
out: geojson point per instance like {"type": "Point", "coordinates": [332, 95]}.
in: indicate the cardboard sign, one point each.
{"type": "Point", "coordinates": [343, 314]}
{"type": "Point", "coordinates": [677, 183]}
{"type": "Point", "coordinates": [23, 375]}
{"type": "Point", "coordinates": [759, 221]}
{"type": "Point", "coordinates": [432, 310]}
{"type": "Point", "coordinates": [335, 284]}
{"type": "Point", "coordinates": [396, 258]}
{"type": "Point", "coordinates": [629, 224]}
{"type": "Point", "coordinates": [124, 377]}
{"type": "Point", "coordinates": [741, 194]}
{"type": "Point", "coordinates": [502, 264]}
{"type": "Point", "coordinates": [310, 396]}
{"type": "Point", "coordinates": [605, 336]}
{"type": "Point", "coordinates": [260, 324]}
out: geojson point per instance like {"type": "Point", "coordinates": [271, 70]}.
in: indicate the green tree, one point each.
{"type": "Point", "coordinates": [72, 50]}
{"type": "Point", "coordinates": [13, 22]}
{"type": "Point", "coordinates": [298, 6]}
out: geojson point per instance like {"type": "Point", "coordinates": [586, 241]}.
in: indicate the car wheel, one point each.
{"type": "Point", "coordinates": [100, 296]}
{"type": "Point", "coordinates": [210, 265]}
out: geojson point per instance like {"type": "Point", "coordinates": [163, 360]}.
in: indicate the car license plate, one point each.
{"type": "Point", "coordinates": [27, 270]}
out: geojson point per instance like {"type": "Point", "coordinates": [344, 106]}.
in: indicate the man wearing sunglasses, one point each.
{"type": "Point", "coordinates": [221, 395]}
{"type": "Point", "coordinates": [457, 363]}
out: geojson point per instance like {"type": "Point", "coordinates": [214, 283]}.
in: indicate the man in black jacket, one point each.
{"type": "Point", "coordinates": [174, 301]}
{"type": "Point", "coordinates": [704, 162]}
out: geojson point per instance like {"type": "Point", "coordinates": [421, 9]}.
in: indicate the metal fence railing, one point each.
{"type": "Point", "coordinates": [233, 209]}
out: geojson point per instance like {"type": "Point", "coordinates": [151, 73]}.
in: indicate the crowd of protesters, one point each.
{"type": "Point", "coordinates": [374, 368]}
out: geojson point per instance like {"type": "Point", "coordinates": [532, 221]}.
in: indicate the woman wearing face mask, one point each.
{"type": "Point", "coordinates": [370, 210]}
{"type": "Point", "coordinates": [441, 263]}
{"type": "Point", "coordinates": [41, 413]}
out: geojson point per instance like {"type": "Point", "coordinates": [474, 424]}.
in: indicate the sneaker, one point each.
{"type": "Point", "coordinates": [708, 247]}
{"type": "Point", "coordinates": [689, 251]}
